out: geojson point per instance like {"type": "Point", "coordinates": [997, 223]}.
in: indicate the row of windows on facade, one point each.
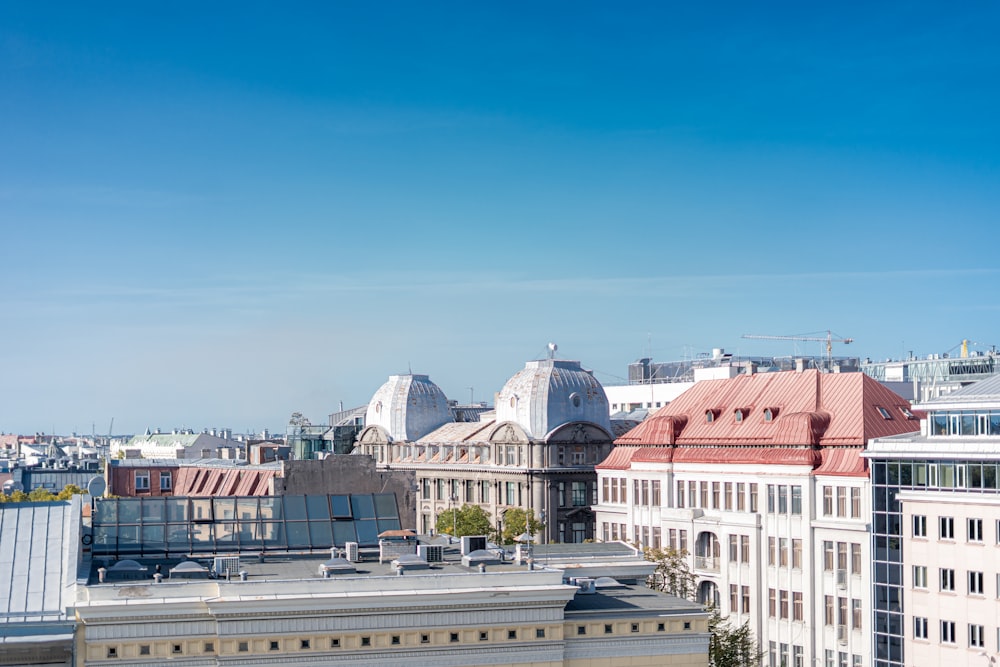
{"type": "Point", "coordinates": [838, 501]}
{"type": "Point", "coordinates": [577, 494]}
{"type": "Point", "coordinates": [778, 656]}
{"type": "Point", "coordinates": [973, 475]}
{"type": "Point", "coordinates": [142, 480]}
{"type": "Point", "coordinates": [946, 528]}
{"type": "Point", "coordinates": [510, 455]}
{"type": "Point", "coordinates": [965, 422]}
{"type": "Point", "coordinates": [947, 632]}
{"type": "Point", "coordinates": [975, 580]}
{"type": "Point", "coordinates": [368, 641]}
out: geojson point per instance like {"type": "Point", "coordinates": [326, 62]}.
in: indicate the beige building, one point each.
{"type": "Point", "coordinates": [316, 611]}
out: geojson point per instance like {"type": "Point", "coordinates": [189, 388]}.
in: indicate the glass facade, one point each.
{"type": "Point", "coordinates": [889, 476]}
{"type": "Point", "coordinates": [173, 526]}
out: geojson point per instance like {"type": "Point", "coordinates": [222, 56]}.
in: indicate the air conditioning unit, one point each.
{"type": "Point", "coordinates": [223, 565]}
{"type": "Point", "coordinates": [432, 553]}
{"type": "Point", "coordinates": [841, 578]}
{"type": "Point", "coordinates": [472, 543]}
{"type": "Point", "coordinates": [352, 551]}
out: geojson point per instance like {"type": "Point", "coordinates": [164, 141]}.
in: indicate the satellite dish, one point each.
{"type": "Point", "coordinates": [96, 487]}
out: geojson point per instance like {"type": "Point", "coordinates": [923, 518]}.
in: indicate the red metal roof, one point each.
{"type": "Point", "coordinates": [192, 481]}
{"type": "Point", "coordinates": [726, 421]}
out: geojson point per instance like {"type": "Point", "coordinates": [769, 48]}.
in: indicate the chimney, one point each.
{"type": "Point", "coordinates": [800, 365]}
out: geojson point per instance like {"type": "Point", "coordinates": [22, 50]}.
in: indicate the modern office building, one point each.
{"type": "Point", "coordinates": [760, 479]}
{"type": "Point", "coordinates": [936, 534]}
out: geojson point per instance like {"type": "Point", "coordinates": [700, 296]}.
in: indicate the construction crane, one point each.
{"type": "Point", "coordinates": [828, 339]}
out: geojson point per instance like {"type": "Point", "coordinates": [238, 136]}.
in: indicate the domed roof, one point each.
{"type": "Point", "coordinates": [548, 393]}
{"type": "Point", "coordinates": [408, 407]}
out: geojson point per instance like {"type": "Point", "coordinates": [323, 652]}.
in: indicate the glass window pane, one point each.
{"type": "Point", "coordinates": [129, 510]}
{"type": "Point", "coordinates": [152, 539]}
{"type": "Point", "coordinates": [153, 510]}
{"type": "Point", "coordinates": [362, 507]}
{"type": "Point", "coordinates": [225, 509]}
{"type": "Point", "coordinates": [320, 534]}
{"type": "Point", "coordinates": [271, 508]}
{"type": "Point", "coordinates": [128, 539]}
{"type": "Point", "coordinates": [107, 511]}
{"type": "Point", "coordinates": [341, 506]}
{"type": "Point", "coordinates": [201, 509]}
{"type": "Point", "coordinates": [250, 534]}
{"type": "Point", "coordinates": [201, 537]}
{"type": "Point", "coordinates": [367, 533]}
{"type": "Point", "coordinates": [298, 534]}
{"type": "Point", "coordinates": [105, 539]}
{"type": "Point", "coordinates": [225, 535]}
{"type": "Point", "coordinates": [318, 507]}
{"type": "Point", "coordinates": [273, 534]}
{"type": "Point", "coordinates": [385, 505]}
{"type": "Point", "coordinates": [177, 509]}
{"type": "Point", "coordinates": [343, 532]}
{"type": "Point", "coordinates": [295, 508]}
{"type": "Point", "coordinates": [178, 537]}
{"type": "Point", "coordinates": [246, 509]}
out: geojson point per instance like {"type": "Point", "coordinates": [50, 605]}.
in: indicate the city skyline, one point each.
{"type": "Point", "coordinates": [220, 216]}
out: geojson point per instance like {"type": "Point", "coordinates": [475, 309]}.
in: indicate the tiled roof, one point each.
{"type": "Point", "coordinates": [774, 418]}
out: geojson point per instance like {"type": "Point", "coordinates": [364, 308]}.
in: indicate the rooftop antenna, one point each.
{"type": "Point", "coordinates": [552, 350]}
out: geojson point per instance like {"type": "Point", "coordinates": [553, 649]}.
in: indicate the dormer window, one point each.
{"type": "Point", "coordinates": [770, 414]}
{"type": "Point", "coordinates": [882, 411]}
{"type": "Point", "coordinates": [906, 413]}
{"type": "Point", "coordinates": [738, 415]}
{"type": "Point", "coordinates": [709, 416]}
{"type": "Point", "coordinates": [575, 399]}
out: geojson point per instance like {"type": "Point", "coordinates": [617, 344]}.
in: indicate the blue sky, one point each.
{"type": "Point", "coordinates": [216, 217]}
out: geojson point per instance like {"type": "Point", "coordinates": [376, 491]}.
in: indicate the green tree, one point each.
{"type": "Point", "coordinates": [517, 521]}
{"type": "Point", "coordinates": [464, 520]}
{"type": "Point", "coordinates": [731, 646]}
{"type": "Point", "coordinates": [42, 495]}
{"type": "Point", "coordinates": [728, 646]}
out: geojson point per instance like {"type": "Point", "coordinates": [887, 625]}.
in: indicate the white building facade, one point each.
{"type": "Point", "coordinates": [759, 479]}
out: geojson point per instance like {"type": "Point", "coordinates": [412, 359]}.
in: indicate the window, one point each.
{"type": "Point", "coordinates": [305, 644]}
{"type": "Point", "coordinates": [661, 627]}
{"type": "Point", "coordinates": [274, 645]}
{"type": "Point", "coordinates": [783, 551]}
{"type": "Point", "coordinates": [946, 528]}
{"type": "Point", "coordinates": [112, 651]}
{"type": "Point", "coordinates": [703, 488]}
{"type": "Point", "coordinates": [855, 502]}
{"type": "Point", "coordinates": [783, 603]}
{"type": "Point", "coordinates": [770, 498]}
{"type": "Point", "coordinates": [976, 583]}
{"type": "Point", "coordinates": [975, 530]}
{"type": "Point", "coordinates": [771, 551]}
{"type": "Point", "coordinates": [745, 548]}
{"type": "Point", "coordinates": [827, 501]}
{"type": "Point", "coordinates": [947, 579]}
{"type": "Point", "coordinates": [796, 500]}
{"type": "Point", "coordinates": [797, 658]}
{"type": "Point", "coordinates": [453, 637]}
{"type": "Point", "coordinates": [753, 497]}
{"type": "Point", "coordinates": [716, 491]}
{"type": "Point", "coordinates": [727, 495]}
{"type": "Point", "coordinates": [947, 632]}
{"type": "Point", "coordinates": [841, 501]}
{"type": "Point", "coordinates": [635, 627]}
{"type": "Point", "coordinates": [977, 637]}
{"type": "Point", "coordinates": [655, 492]}
{"type": "Point", "coordinates": [483, 635]}
{"type": "Point", "coordinates": [827, 556]}
{"type": "Point", "coordinates": [741, 501]}
{"type": "Point", "coordinates": [580, 494]}
{"type": "Point", "coordinates": [919, 627]}
{"type": "Point", "coordinates": [855, 558]}
{"type": "Point", "coordinates": [745, 599]}
{"type": "Point", "coordinates": [734, 598]}
{"type": "Point", "coordinates": [144, 649]}
{"type": "Point", "coordinates": [772, 601]}
{"type": "Point", "coordinates": [581, 629]}
{"type": "Point", "coordinates": [828, 609]}
{"type": "Point", "coordinates": [243, 647]}
{"type": "Point", "coordinates": [919, 525]}
{"type": "Point", "coordinates": [426, 639]}
{"type": "Point", "coordinates": [680, 494]}
{"type": "Point", "coordinates": [512, 634]}
{"type": "Point", "coordinates": [396, 640]}
{"type": "Point", "coordinates": [734, 549]}
{"type": "Point", "coordinates": [856, 616]}
{"type": "Point", "coordinates": [797, 606]}
{"type": "Point", "coordinates": [176, 649]}
{"type": "Point", "coordinates": [920, 576]}
{"type": "Point", "coordinates": [782, 499]}
{"type": "Point", "coordinates": [796, 553]}
{"type": "Point", "coordinates": [142, 480]}
{"type": "Point", "coordinates": [539, 633]}
{"type": "Point", "coordinates": [842, 556]}
{"type": "Point", "coordinates": [165, 481]}
{"type": "Point", "coordinates": [882, 411]}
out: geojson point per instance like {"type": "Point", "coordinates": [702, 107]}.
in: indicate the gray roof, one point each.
{"type": "Point", "coordinates": [987, 390]}
{"type": "Point", "coordinates": [195, 463]}
{"type": "Point", "coordinates": [39, 551]}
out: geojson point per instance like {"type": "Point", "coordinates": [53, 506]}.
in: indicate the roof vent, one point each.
{"type": "Point", "coordinates": [336, 566]}
{"type": "Point", "coordinates": [408, 562]}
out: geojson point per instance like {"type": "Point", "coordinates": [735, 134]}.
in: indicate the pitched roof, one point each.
{"type": "Point", "coordinates": [779, 417]}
